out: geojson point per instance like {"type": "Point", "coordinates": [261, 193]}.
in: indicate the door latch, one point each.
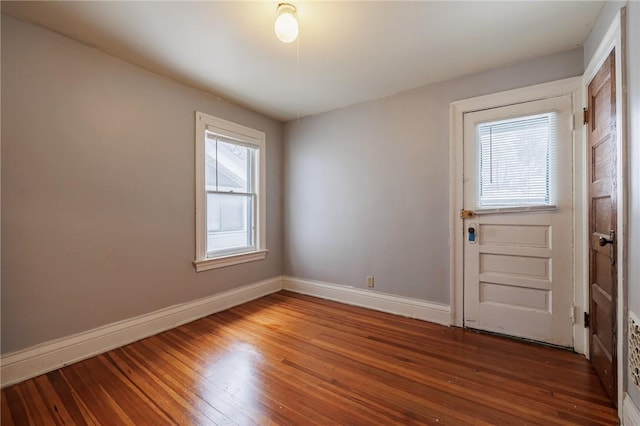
{"type": "Point", "coordinates": [466, 214]}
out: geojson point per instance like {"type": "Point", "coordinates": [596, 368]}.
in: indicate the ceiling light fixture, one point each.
{"type": "Point", "coordinates": [286, 23]}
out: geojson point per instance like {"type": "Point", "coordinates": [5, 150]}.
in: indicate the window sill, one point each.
{"type": "Point", "coordinates": [234, 259]}
{"type": "Point", "coordinates": [516, 209]}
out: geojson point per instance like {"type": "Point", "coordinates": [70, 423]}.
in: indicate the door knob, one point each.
{"type": "Point", "coordinates": [603, 241]}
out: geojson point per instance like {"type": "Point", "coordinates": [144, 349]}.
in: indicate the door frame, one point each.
{"type": "Point", "coordinates": [570, 86]}
{"type": "Point", "coordinates": [613, 39]}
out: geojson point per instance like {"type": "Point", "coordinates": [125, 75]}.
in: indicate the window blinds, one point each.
{"type": "Point", "coordinates": [515, 161]}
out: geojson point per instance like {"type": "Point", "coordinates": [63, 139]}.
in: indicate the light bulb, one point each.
{"type": "Point", "coordinates": [286, 23]}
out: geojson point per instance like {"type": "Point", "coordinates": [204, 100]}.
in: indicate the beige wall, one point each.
{"type": "Point", "coordinates": [98, 189]}
{"type": "Point", "coordinates": [367, 186]}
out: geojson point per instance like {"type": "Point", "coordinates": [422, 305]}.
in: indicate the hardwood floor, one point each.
{"type": "Point", "coordinates": [293, 359]}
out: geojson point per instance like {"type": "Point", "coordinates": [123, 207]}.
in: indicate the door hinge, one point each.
{"type": "Point", "coordinates": [585, 115]}
{"type": "Point", "coordinates": [587, 323]}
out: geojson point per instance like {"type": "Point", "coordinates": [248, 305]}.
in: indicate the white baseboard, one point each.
{"type": "Point", "coordinates": [25, 364]}
{"type": "Point", "coordinates": [630, 412]}
{"type": "Point", "coordinates": [405, 306]}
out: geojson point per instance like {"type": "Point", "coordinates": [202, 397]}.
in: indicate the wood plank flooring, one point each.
{"type": "Point", "coordinates": [293, 359]}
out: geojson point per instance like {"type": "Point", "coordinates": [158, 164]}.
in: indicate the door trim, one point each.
{"type": "Point", "coordinates": [570, 86]}
{"type": "Point", "coordinates": [613, 39]}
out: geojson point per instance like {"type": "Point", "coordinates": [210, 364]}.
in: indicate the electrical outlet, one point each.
{"type": "Point", "coordinates": [370, 281]}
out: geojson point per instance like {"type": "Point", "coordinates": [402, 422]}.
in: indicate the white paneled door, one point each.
{"type": "Point", "coordinates": [518, 248]}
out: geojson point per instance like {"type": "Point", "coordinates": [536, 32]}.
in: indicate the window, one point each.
{"type": "Point", "coordinates": [230, 198]}
{"type": "Point", "coordinates": [515, 157]}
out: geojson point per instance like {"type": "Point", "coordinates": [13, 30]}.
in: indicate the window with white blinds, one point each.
{"type": "Point", "coordinates": [515, 161]}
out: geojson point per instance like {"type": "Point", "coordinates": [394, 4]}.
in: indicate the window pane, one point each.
{"type": "Point", "coordinates": [210, 161]}
{"type": "Point", "coordinates": [234, 167]}
{"type": "Point", "coordinates": [229, 221]}
{"type": "Point", "coordinates": [514, 160]}
{"type": "Point", "coordinates": [228, 166]}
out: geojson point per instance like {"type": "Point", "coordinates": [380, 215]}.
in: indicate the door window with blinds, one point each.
{"type": "Point", "coordinates": [230, 193]}
{"type": "Point", "coordinates": [516, 161]}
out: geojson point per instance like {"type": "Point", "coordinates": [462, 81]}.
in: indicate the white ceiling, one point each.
{"type": "Point", "coordinates": [347, 52]}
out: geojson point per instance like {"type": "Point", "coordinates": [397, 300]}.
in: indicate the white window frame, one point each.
{"type": "Point", "coordinates": [246, 136]}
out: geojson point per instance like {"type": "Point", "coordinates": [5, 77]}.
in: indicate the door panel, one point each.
{"type": "Point", "coordinates": [515, 297]}
{"type": "Point", "coordinates": [518, 277]}
{"type": "Point", "coordinates": [602, 222]}
{"type": "Point", "coordinates": [515, 235]}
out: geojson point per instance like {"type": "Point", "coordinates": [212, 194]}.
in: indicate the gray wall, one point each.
{"type": "Point", "coordinates": [609, 10]}
{"type": "Point", "coordinates": [368, 185]}
{"type": "Point", "coordinates": [98, 189]}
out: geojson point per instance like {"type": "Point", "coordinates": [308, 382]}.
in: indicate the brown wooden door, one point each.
{"type": "Point", "coordinates": [602, 224]}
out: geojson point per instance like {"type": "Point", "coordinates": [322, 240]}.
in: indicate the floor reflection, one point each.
{"type": "Point", "coordinates": [233, 380]}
